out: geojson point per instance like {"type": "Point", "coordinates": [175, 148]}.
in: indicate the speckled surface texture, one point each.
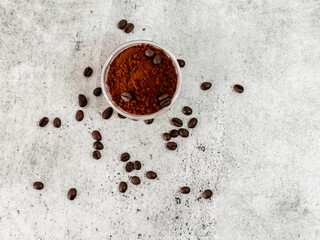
{"type": "Point", "coordinates": [258, 151]}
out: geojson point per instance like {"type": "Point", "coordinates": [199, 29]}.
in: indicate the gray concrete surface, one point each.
{"type": "Point", "coordinates": [258, 151]}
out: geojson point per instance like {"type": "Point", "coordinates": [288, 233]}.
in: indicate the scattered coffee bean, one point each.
{"type": "Point", "coordinates": [121, 116]}
{"type": "Point", "coordinates": [82, 100]}
{"type": "Point", "coordinates": [172, 146]}
{"type": "Point", "coordinates": [183, 132]}
{"type": "Point", "coordinates": [38, 185]}
{"type": "Point", "coordinates": [149, 121]}
{"type": "Point", "coordinates": [57, 122]}
{"type": "Point", "coordinates": [129, 167]}
{"type": "Point", "coordinates": [157, 59]}
{"type": "Point", "coordinates": [149, 53]}
{"type": "Point", "coordinates": [135, 180]}
{"type": "Point", "coordinates": [96, 135]}
{"type": "Point", "coordinates": [192, 123]}
{"type": "Point", "coordinates": [174, 133]}
{"type": "Point", "coordinates": [181, 62]}
{"type": "Point", "coordinates": [124, 157]}
{"type": "Point", "coordinates": [98, 145]}
{"type": "Point", "coordinates": [184, 190]}
{"type": "Point", "coordinates": [43, 122]}
{"type": "Point", "coordinates": [177, 122]}
{"type": "Point", "coordinates": [165, 102]}
{"type": "Point", "coordinates": [166, 136]}
{"type": "Point", "coordinates": [137, 165]}
{"type": "Point", "coordinates": [122, 24]}
{"type": "Point", "coordinates": [128, 28]}
{"type": "Point", "coordinates": [207, 194]}
{"type": "Point", "coordinates": [97, 92]}
{"type": "Point", "coordinates": [205, 86]}
{"type": "Point", "coordinates": [187, 110]}
{"type": "Point", "coordinates": [126, 96]}
{"type": "Point", "coordinates": [72, 194]}
{"type": "Point", "coordinates": [96, 155]}
{"type": "Point", "coordinates": [107, 113]}
{"type": "Point", "coordinates": [238, 88]}
{"type": "Point", "coordinates": [163, 96]}
{"type": "Point", "coordinates": [87, 72]}
{"type": "Point", "coordinates": [151, 175]}
{"type": "Point", "coordinates": [123, 187]}
{"type": "Point", "coordinates": [79, 115]}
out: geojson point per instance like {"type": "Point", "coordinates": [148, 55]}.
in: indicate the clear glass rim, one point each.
{"type": "Point", "coordinates": [105, 70]}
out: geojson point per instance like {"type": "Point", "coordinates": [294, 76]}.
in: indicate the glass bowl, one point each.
{"type": "Point", "coordinates": [104, 75]}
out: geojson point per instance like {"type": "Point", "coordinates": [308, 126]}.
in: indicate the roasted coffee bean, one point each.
{"type": "Point", "coordinates": [172, 146]}
{"type": "Point", "coordinates": [128, 28]}
{"type": "Point", "coordinates": [165, 102]}
{"type": "Point", "coordinates": [181, 62]}
{"type": "Point", "coordinates": [149, 53]}
{"type": "Point", "coordinates": [57, 122]}
{"type": "Point", "coordinates": [137, 165]}
{"type": "Point", "coordinates": [174, 133]}
{"type": "Point", "coordinates": [72, 193]}
{"type": "Point", "coordinates": [157, 60]}
{"type": "Point", "coordinates": [43, 122]}
{"type": "Point", "coordinates": [166, 136]}
{"type": "Point", "coordinates": [87, 72]}
{"type": "Point", "coordinates": [163, 96]}
{"type": "Point", "coordinates": [82, 100]}
{"type": "Point", "coordinates": [135, 180]}
{"type": "Point", "coordinates": [38, 185]}
{"type": "Point", "coordinates": [185, 190]}
{"type": "Point", "coordinates": [107, 113]}
{"type": "Point", "coordinates": [126, 96]}
{"type": "Point", "coordinates": [123, 187]}
{"type": "Point", "coordinates": [183, 132]}
{"type": "Point", "coordinates": [192, 123]}
{"type": "Point", "coordinates": [177, 122]}
{"type": "Point", "coordinates": [207, 194]}
{"type": "Point", "coordinates": [238, 88]}
{"type": "Point", "coordinates": [122, 24]}
{"type": "Point", "coordinates": [124, 157]}
{"type": "Point", "coordinates": [96, 155]}
{"type": "Point", "coordinates": [205, 86]}
{"type": "Point", "coordinates": [79, 115]}
{"type": "Point", "coordinates": [121, 116]}
{"type": "Point", "coordinates": [149, 121]}
{"type": "Point", "coordinates": [151, 175]}
{"type": "Point", "coordinates": [96, 135]}
{"type": "Point", "coordinates": [187, 110]}
{"type": "Point", "coordinates": [98, 145]}
{"type": "Point", "coordinates": [129, 167]}
{"type": "Point", "coordinates": [97, 92]}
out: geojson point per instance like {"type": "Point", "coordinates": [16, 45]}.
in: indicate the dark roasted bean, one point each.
{"type": "Point", "coordinates": [137, 165]}
{"type": "Point", "coordinates": [157, 59]}
{"type": "Point", "coordinates": [96, 155]}
{"type": "Point", "coordinates": [126, 96]}
{"type": "Point", "coordinates": [183, 132]}
{"type": "Point", "coordinates": [124, 157]}
{"type": "Point", "coordinates": [187, 110]}
{"type": "Point", "coordinates": [72, 193]}
{"type": "Point", "coordinates": [165, 102]}
{"type": "Point", "coordinates": [123, 187]}
{"type": "Point", "coordinates": [122, 24]}
{"type": "Point", "coordinates": [185, 190]}
{"type": "Point", "coordinates": [181, 62]}
{"type": "Point", "coordinates": [88, 72]}
{"type": "Point", "coordinates": [174, 133]}
{"type": "Point", "coordinates": [151, 175]}
{"type": "Point", "coordinates": [207, 194]}
{"type": "Point", "coordinates": [121, 116]}
{"type": "Point", "coordinates": [192, 123]}
{"type": "Point", "coordinates": [82, 100]}
{"type": "Point", "coordinates": [205, 86]}
{"type": "Point", "coordinates": [163, 96]}
{"type": "Point", "coordinates": [96, 135]}
{"type": "Point", "coordinates": [97, 92]}
{"type": "Point", "coordinates": [135, 180]}
{"type": "Point", "coordinates": [129, 167]}
{"type": "Point", "coordinates": [172, 146]}
{"type": "Point", "coordinates": [128, 28]}
{"type": "Point", "coordinates": [107, 113]}
{"type": "Point", "coordinates": [177, 122]}
{"type": "Point", "coordinates": [38, 185]}
{"type": "Point", "coordinates": [166, 136]}
{"type": "Point", "coordinates": [98, 145]}
{"type": "Point", "coordinates": [149, 53]}
{"type": "Point", "coordinates": [238, 88]}
{"type": "Point", "coordinates": [43, 122]}
{"type": "Point", "coordinates": [57, 122]}
{"type": "Point", "coordinates": [149, 121]}
{"type": "Point", "coordinates": [79, 115]}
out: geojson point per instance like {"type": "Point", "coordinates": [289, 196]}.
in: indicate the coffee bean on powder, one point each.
{"type": "Point", "coordinates": [129, 167]}
{"type": "Point", "coordinates": [149, 53]}
{"type": "Point", "coordinates": [238, 88]}
{"type": "Point", "coordinates": [124, 157]}
{"type": "Point", "coordinates": [38, 185]}
{"type": "Point", "coordinates": [87, 72]}
{"type": "Point", "coordinates": [128, 28]}
{"type": "Point", "coordinates": [57, 122]}
{"type": "Point", "coordinates": [207, 194]}
{"type": "Point", "coordinates": [72, 194]}
{"type": "Point", "coordinates": [171, 146]}
{"type": "Point", "coordinates": [123, 187]}
{"type": "Point", "coordinates": [166, 136]}
{"type": "Point", "coordinates": [43, 122]}
{"type": "Point", "coordinates": [121, 116]}
{"type": "Point", "coordinates": [79, 115]}
{"type": "Point", "coordinates": [98, 145]}
{"type": "Point", "coordinates": [174, 133]}
{"type": "Point", "coordinates": [82, 100]}
{"type": "Point", "coordinates": [151, 175]}
{"type": "Point", "coordinates": [122, 24]}
{"type": "Point", "coordinates": [97, 92]}
{"type": "Point", "coordinates": [192, 123]}
{"type": "Point", "coordinates": [163, 96]}
{"type": "Point", "coordinates": [181, 62]}
{"type": "Point", "coordinates": [149, 121]}
{"type": "Point", "coordinates": [177, 122]}
{"type": "Point", "coordinates": [183, 132]}
{"type": "Point", "coordinates": [96, 135]}
{"type": "Point", "coordinates": [137, 165]}
{"type": "Point", "coordinates": [107, 113]}
{"type": "Point", "coordinates": [184, 190]}
{"type": "Point", "coordinates": [135, 180]}
{"type": "Point", "coordinates": [187, 110]}
{"type": "Point", "coordinates": [157, 59]}
{"type": "Point", "coordinates": [96, 155]}
{"type": "Point", "coordinates": [165, 102]}
{"type": "Point", "coordinates": [205, 86]}
{"type": "Point", "coordinates": [126, 96]}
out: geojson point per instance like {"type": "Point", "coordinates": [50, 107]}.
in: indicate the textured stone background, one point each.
{"type": "Point", "coordinates": [258, 151]}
